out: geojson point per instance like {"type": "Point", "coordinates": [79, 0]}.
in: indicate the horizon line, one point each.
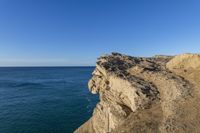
{"type": "Point", "coordinates": [49, 66]}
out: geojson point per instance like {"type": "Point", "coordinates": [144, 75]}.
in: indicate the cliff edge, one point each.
{"type": "Point", "coordinates": [160, 94]}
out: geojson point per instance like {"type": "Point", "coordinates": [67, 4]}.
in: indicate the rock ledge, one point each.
{"type": "Point", "coordinates": [145, 95]}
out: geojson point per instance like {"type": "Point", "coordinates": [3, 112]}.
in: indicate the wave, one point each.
{"type": "Point", "coordinates": [34, 83]}
{"type": "Point", "coordinates": [28, 84]}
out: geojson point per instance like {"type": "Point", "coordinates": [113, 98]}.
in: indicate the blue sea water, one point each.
{"type": "Point", "coordinates": [44, 99]}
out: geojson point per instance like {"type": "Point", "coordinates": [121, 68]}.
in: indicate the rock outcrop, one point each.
{"type": "Point", "coordinates": [160, 94]}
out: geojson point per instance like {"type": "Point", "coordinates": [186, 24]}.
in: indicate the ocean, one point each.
{"type": "Point", "coordinates": [44, 99]}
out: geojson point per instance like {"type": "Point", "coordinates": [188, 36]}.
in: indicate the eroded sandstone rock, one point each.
{"type": "Point", "coordinates": [145, 95]}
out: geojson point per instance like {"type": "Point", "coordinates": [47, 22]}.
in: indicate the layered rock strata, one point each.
{"type": "Point", "coordinates": [160, 94]}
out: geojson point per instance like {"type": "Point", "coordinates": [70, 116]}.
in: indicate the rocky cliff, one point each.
{"type": "Point", "coordinates": [160, 94]}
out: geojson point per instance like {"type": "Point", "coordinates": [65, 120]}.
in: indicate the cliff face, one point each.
{"type": "Point", "coordinates": [145, 95]}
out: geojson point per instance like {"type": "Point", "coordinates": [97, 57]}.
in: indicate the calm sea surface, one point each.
{"type": "Point", "coordinates": [45, 100]}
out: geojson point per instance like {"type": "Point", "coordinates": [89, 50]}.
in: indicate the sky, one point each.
{"type": "Point", "coordinates": [77, 32]}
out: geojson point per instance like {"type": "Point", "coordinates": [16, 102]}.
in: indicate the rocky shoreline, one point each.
{"type": "Point", "coordinates": [158, 94]}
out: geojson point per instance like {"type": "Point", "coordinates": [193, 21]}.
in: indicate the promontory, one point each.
{"type": "Point", "coordinates": [159, 94]}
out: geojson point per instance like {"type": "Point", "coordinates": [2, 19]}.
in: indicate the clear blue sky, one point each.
{"type": "Point", "coordinates": [76, 32]}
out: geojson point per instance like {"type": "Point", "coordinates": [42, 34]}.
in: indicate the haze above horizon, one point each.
{"type": "Point", "coordinates": [76, 32]}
